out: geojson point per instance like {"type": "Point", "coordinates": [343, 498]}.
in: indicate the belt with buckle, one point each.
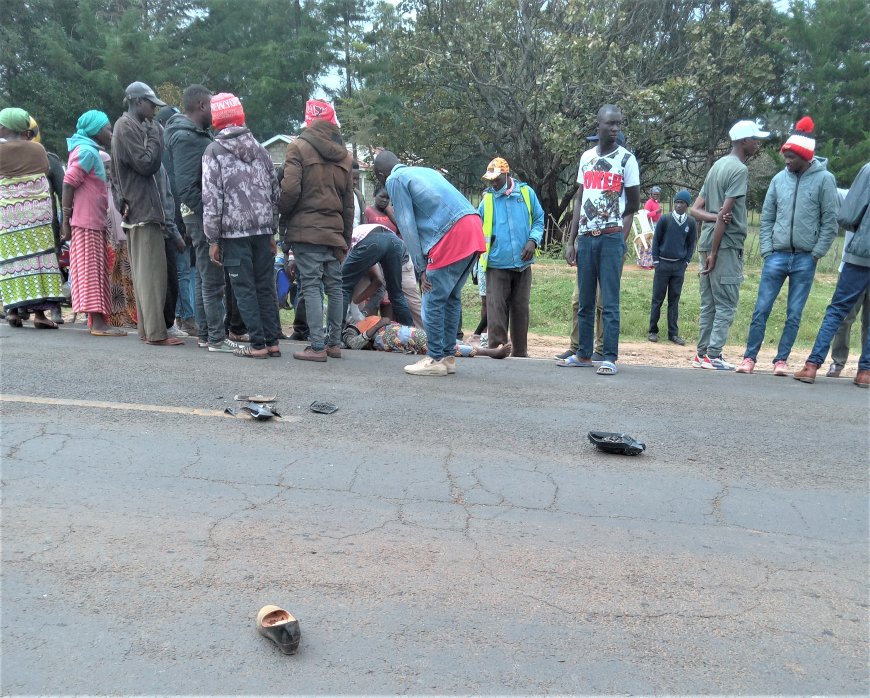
{"type": "Point", "coordinates": [604, 231]}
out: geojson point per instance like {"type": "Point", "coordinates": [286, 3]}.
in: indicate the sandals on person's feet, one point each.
{"type": "Point", "coordinates": [574, 362]}
{"type": "Point", "coordinates": [246, 352]}
{"type": "Point", "coordinates": [168, 342]}
{"type": "Point", "coordinates": [44, 324]}
{"type": "Point", "coordinates": [607, 368]}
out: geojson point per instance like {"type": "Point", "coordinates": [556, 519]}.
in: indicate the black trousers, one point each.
{"type": "Point", "coordinates": [507, 307]}
{"type": "Point", "coordinates": [667, 281]}
{"type": "Point", "coordinates": [250, 265]}
{"type": "Point", "coordinates": [233, 321]}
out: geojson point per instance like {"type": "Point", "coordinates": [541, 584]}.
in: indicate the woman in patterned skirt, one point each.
{"type": "Point", "coordinates": [30, 279]}
{"type": "Point", "coordinates": [85, 221]}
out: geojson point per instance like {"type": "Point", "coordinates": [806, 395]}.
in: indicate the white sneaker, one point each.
{"type": "Point", "coordinates": [427, 367]}
{"type": "Point", "coordinates": [175, 332]}
{"type": "Point", "coordinates": [450, 363]}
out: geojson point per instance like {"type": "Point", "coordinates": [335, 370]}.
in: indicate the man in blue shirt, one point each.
{"type": "Point", "coordinates": [513, 225]}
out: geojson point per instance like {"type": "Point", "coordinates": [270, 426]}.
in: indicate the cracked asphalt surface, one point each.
{"type": "Point", "coordinates": [435, 535]}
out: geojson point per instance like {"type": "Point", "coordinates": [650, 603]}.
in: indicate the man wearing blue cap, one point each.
{"type": "Point", "coordinates": [672, 249]}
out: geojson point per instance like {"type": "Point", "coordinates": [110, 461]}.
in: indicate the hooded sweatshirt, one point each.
{"type": "Point", "coordinates": [317, 189]}
{"type": "Point", "coordinates": [239, 187]}
{"type": "Point", "coordinates": [800, 213]}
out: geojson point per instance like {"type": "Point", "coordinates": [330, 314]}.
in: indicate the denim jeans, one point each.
{"type": "Point", "coordinates": [800, 270]}
{"type": "Point", "coordinates": [442, 306]}
{"type": "Point", "coordinates": [209, 294]}
{"type": "Point", "coordinates": [840, 346]}
{"type": "Point", "coordinates": [667, 281]}
{"type": "Point", "coordinates": [851, 285]}
{"type": "Point", "coordinates": [318, 269]}
{"type": "Point", "coordinates": [599, 263]}
{"type": "Point", "coordinates": [185, 307]}
{"type": "Point", "coordinates": [249, 263]}
{"type": "Point", "coordinates": [387, 250]}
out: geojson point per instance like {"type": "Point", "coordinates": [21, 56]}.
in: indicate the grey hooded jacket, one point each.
{"type": "Point", "coordinates": [239, 187]}
{"type": "Point", "coordinates": [800, 213]}
{"type": "Point", "coordinates": [855, 216]}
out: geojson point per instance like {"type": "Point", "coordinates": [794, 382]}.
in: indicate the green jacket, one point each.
{"type": "Point", "coordinates": [800, 213]}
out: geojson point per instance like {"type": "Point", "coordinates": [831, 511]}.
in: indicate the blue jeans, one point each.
{"type": "Point", "coordinates": [851, 285]}
{"type": "Point", "coordinates": [599, 262]}
{"type": "Point", "coordinates": [184, 307]}
{"type": "Point", "coordinates": [800, 270]}
{"type": "Point", "coordinates": [442, 306]}
{"type": "Point", "coordinates": [210, 283]}
{"type": "Point", "coordinates": [318, 269]}
{"type": "Point", "coordinates": [382, 248]}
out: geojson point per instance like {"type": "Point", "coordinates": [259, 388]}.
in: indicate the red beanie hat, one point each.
{"type": "Point", "coordinates": [801, 142]}
{"type": "Point", "coordinates": [226, 110]}
{"type": "Point", "coordinates": [315, 109]}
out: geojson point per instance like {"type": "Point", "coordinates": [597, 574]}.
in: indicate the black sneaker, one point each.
{"type": "Point", "coordinates": [298, 336]}
{"type": "Point", "coordinates": [597, 356]}
{"type": "Point", "coordinates": [653, 337]}
{"type": "Point", "coordinates": [565, 354]}
{"type": "Point", "coordinates": [676, 339]}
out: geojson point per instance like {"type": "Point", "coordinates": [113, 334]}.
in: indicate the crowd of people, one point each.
{"type": "Point", "coordinates": [173, 218]}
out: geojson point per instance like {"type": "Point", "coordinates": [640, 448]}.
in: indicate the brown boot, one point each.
{"type": "Point", "coordinates": [309, 354]}
{"type": "Point", "coordinates": [807, 374]}
{"type": "Point", "coordinates": [333, 352]}
{"type": "Point", "coordinates": [862, 379]}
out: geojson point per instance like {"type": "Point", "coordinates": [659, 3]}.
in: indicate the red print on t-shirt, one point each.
{"type": "Point", "coordinates": [602, 181]}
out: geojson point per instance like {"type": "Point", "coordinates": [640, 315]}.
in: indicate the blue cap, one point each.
{"type": "Point", "coordinates": [683, 195]}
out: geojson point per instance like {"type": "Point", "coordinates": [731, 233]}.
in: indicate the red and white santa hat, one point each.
{"type": "Point", "coordinates": [316, 109]}
{"type": "Point", "coordinates": [801, 142]}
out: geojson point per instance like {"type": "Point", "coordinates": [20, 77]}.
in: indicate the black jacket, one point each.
{"type": "Point", "coordinates": [186, 142]}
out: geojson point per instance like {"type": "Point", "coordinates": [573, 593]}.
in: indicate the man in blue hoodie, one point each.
{"type": "Point", "coordinates": [852, 284]}
{"type": "Point", "coordinates": [444, 235]}
{"type": "Point", "coordinates": [513, 225]}
{"type": "Point", "coordinates": [798, 225]}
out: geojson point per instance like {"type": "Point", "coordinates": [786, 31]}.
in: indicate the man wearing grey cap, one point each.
{"type": "Point", "coordinates": [137, 151]}
{"type": "Point", "coordinates": [721, 209]}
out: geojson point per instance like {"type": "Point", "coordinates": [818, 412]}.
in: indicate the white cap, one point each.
{"type": "Point", "coordinates": [746, 129]}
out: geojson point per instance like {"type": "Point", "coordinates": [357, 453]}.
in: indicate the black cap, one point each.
{"type": "Point", "coordinates": [137, 90]}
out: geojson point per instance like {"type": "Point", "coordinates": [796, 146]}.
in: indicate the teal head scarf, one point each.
{"type": "Point", "coordinates": [15, 119]}
{"type": "Point", "coordinates": [89, 124]}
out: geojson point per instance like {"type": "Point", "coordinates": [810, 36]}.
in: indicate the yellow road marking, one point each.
{"type": "Point", "coordinates": [131, 406]}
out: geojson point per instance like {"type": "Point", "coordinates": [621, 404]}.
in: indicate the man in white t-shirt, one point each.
{"type": "Point", "coordinates": [608, 198]}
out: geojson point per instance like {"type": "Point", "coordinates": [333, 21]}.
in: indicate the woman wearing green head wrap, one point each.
{"type": "Point", "coordinates": [85, 216]}
{"type": "Point", "coordinates": [30, 279]}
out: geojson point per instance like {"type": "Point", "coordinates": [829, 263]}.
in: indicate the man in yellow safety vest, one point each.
{"type": "Point", "coordinates": [513, 225]}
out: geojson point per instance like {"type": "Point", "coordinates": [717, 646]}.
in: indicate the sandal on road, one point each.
{"type": "Point", "coordinates": [44, 324]}
{"type": "Point", "coordinates": [168, 342]}
{"type": "Point", "coordinates": [246, 352]}
{"type": "Point", "coordinates": [113, 332]}
{"type": "Point", "coordinates": [574, 362]}
{"type": "Point", "coordinates": [607, 368]}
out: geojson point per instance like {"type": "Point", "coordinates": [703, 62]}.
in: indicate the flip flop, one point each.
{"type": "Point", "coordinates": [607, 368]}
{"type": "Point", "coordinates": [573, 362]}
{"type": "Point", "coordinates": [108, 333]}
{"type": "Point", "coordinates": [168, 342]}
{"type": "Point", "coordinates": [47, 325]}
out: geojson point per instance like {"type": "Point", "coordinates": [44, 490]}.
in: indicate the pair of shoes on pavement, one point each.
{"type": "Point", "coordinates": [747, 365]}
{"type": "Point", "coordinates": [808, 375]}
{"type": "Point", "coordinates": [309, 353]}
{"type": "Point", "coordinates": [676, 339]}
{"type": "Point", "coordinates": [428, 366]}
{"type": "Point", "coordinates": [716, 363]}
{"type": "Point", "coordinates": [597, 357]}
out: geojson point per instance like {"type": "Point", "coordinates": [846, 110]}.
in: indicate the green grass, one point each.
{"type": "Point", "coordinates": [553, 284]}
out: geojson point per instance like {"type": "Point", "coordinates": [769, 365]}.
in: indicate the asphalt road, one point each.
{"type": "Point", "coordinates": [435, 535]}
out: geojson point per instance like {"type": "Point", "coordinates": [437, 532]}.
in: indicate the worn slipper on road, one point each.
{"type": "Point", "coordinates": [279, 626]}
{"type": "Point", "coordinates": [615, 442]}
{"type": "Point", "coordinates": [108, 333]}
{"type": "Point", "coordinates": [574, 362]}
{"type": "Point", "coordinates": [168, 342]}
{"type": "Point", "coordinates": [607, 368]}
{"type": "Point", "coordinates": [44, 324]}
